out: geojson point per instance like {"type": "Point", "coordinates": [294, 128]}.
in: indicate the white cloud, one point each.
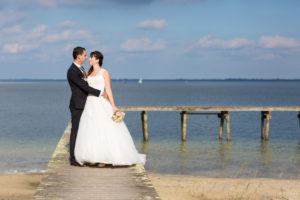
{"type": "Point", "coordinates": [67, 24]}
{"type": "Point", "coordinates": [10, 48]}
{"type": "Point", "coordinates": [152, 24]}
{"type": "Point", "coordinates": [32, 4]}
{"type": "Point", "coordinates": [278, 42]}
{"type": "Point", "coordinates": [10, 17]}
{"type": "Point", "coordinates": [266, 48]}
{"type": "Point", "coordinates": [267, 42]}
{"type": "Point", "coordinates": [37, 3]}
{"type": "Point", "coordinates": [16, 47]}
{"type": "Point", "coordinates": [209, 41]}
{"type": "Point", "coordinates": [143, 44]}
{"type": "Point", "coordinates": [238, 42]}
{"type": "Point", "coordinates": [81, 34]}
{"type": "Point", "coordinates": [66, 35]}
{"type": "Point", "coordinates": [49, 4]}
{"type": "Point", "coordinates": [36, 32]}
{"type": "Point", "coordinates": [40, 36]}
{"type": "Point", "coordinates": [55, 37]}
{"type": "Point", "coordinates": [52, 4]}
{"type": "Point", "coordinates": [68, 47]}
{"type": "Point", "coordinates": [268, 56]}
{"type": "Point", "coordinates": [12, 29]}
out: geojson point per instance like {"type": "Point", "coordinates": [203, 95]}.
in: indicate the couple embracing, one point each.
{"type": "Point", "coordinates": [95, 138]}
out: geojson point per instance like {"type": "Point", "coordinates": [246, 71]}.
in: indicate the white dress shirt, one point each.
{"type": "Point", "coordinates": [79, 68]}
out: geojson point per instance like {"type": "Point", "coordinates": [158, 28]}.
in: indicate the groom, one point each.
{"type": "Point", "coordinates": [80, 90]}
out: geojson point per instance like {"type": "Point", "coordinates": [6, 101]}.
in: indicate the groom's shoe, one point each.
{"type": "Point", "coordinates": [74, 163]}
{"type": "Point", "coordinates": [101, 165]}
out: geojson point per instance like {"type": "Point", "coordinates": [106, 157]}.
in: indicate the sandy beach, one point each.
{"type": "Point", "coordinates": [19, 186]}
{"type": "Point", "coordinates": [177, 187]}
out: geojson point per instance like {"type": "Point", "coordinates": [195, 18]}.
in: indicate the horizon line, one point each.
{"type": "Point", "coordinates": [162, 79]}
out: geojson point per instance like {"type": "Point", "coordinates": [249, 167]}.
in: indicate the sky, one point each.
{"type": "Point", "coordinates": [152, 39]}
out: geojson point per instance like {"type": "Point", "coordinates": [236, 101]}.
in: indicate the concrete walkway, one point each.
{"type": "Point", "coordinates": [62, 181]}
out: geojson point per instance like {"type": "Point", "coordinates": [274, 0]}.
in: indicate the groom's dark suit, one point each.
{"type": "Point", "coordinates": [80, 90]}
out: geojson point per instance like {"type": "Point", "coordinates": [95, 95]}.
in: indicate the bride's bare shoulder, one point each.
{"type": "Point", "coordinates": [106, 73]}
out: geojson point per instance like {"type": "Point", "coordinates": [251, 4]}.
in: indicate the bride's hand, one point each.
{"type": "Point", "coordinates": [115, 109]}
{"type": "Point", "coordinates": [105, 96]}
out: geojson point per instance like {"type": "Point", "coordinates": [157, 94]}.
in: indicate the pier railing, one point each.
{"type": "Point", "coordinates": [222, 112]}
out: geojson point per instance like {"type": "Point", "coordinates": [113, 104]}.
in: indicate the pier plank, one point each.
{"type": "Point", "coordinates": [203, 108]}
{"type": "Point", "coordinates": [62, 181]}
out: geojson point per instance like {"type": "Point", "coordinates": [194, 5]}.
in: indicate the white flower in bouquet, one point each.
{"type": "Point", "coordinates": [118, 116]}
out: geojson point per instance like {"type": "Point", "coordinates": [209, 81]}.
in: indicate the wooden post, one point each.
{"type": "Point", "coordinates": [228, 125]}
{"type": "Point", "coordinates": [184, 117]}
{"type": "Point", "coordinates": [221, 116]}
{"type": "Point", "coordinates": [268, 116]}
{"type": "Point", "coordinates": [262, 124]}
{"type": "Point", "coordinates": [145, 125]}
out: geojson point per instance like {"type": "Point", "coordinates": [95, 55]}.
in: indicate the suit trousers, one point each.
{"type": "Point", "coordinates": [75, 119]}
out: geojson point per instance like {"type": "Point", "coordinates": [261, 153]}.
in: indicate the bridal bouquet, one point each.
{"type": "Point", "coordinates": [118, 116]}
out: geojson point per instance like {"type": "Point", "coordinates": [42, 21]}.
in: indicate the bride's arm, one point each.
{"type": "Point", "coordinates": [108, 89]}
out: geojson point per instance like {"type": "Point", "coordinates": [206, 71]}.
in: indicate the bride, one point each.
{"type": "Point", "coordinates": [99, 138]}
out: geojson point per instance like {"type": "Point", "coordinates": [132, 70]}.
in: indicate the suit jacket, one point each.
{"type": "Point", "coordinates": [79, 87]}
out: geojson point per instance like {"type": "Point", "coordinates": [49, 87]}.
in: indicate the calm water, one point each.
{"type": "Point", "coordinates": [34, 115]}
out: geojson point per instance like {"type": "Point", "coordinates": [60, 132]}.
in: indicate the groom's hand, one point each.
{"type": "Point", "coordinates": [104, 95]}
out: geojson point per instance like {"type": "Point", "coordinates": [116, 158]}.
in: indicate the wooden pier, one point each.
{"type": "Point", "coordinates": [222, 112]}
{"type": "Point", "coordinates": [65, 182]}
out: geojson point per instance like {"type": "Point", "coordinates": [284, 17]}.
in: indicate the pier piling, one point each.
{"type": "Point", "coordinates": [145, 125]}
{"type": "Point", "coordinates": [265, 131]}
{"type": "Point", "coordinates": [184, 117]}
{"type": "Point", "coordinates": [262, 124]}
{"type": "Point", "coordinates": [228, 125]}
{"type": "Point", "coordinates": [268, 117]}
{"type": "Point", "coordinates": [222, 117]}
{"type": "Point", "coordinates": [222, 112]}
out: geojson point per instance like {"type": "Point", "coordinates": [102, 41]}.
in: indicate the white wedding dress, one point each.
{"type": "Point", "coordinates": [99, 138]}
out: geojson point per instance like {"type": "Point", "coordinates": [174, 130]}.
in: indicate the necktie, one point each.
{"type": "Point", "coordinates": [83, 71]}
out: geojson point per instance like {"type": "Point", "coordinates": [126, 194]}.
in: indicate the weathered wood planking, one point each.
{"type": "Point", "coordinates": [223, 113]}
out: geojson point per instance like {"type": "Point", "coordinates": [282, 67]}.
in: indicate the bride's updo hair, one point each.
{"type": "Point", "coordinates": [99, 56]}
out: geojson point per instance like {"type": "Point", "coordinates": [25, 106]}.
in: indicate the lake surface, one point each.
{"type": "Point", "coordinates": [33, 116]}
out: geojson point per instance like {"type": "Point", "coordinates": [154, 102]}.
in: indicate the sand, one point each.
{"type": "Point", "coordinates": [19, 186]}
{"type": "Point", "coordinates": [177, 187]}
{"type": "Point", "coordinates": [182, 187]}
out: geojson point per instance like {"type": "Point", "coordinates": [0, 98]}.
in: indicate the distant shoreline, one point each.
{"type": "Point", "coordinates": [149, 80]}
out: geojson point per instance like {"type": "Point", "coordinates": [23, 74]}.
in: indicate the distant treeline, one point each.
{"type": "Point", "coordinates": [136, 80]}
